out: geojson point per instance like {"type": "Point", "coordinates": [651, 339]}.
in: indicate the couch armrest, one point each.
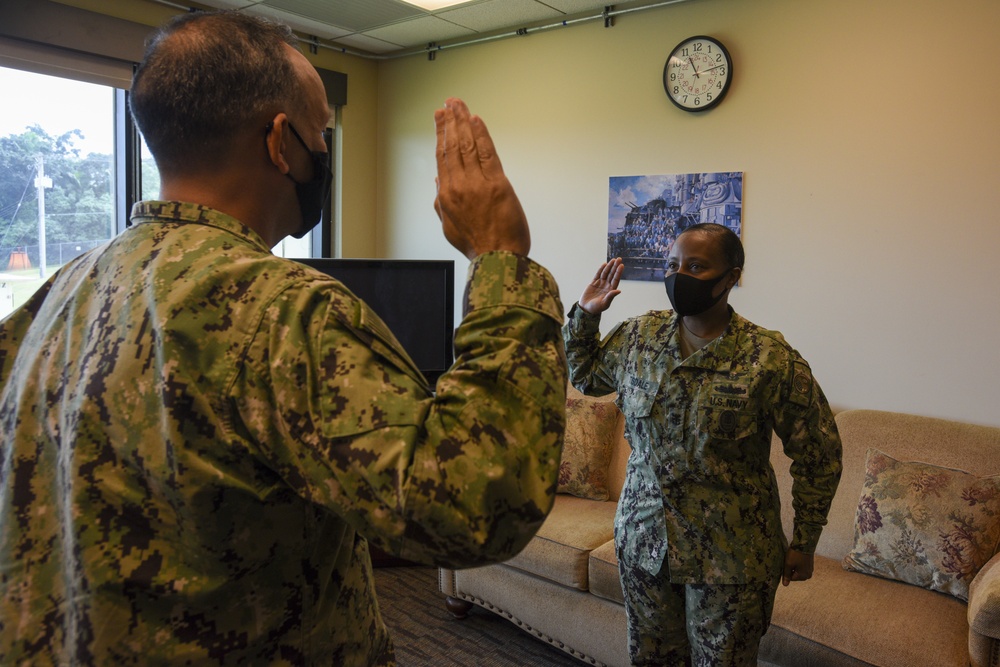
{"type": "Point", "coordinates": [446, 581]}
{"type": "Point", "coordinates": [984, 615]}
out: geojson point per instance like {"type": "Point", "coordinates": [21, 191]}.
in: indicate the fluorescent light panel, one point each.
{"type": "Point", "coordinates": [431, 5]}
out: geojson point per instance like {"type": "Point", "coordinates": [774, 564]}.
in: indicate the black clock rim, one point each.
{"type": "Point", "coordinates": [725, 88]}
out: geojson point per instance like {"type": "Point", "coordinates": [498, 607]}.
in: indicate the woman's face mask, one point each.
{"type": "Point", "coordinates": [692, 296]}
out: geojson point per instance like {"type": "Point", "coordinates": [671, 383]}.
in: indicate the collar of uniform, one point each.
{"type": "Point", "coordinates": [152, 211]}
{"type": "Point", "coordinates": [717, 355]}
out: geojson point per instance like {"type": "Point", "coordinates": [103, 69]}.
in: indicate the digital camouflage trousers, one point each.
{"type": "Point", "coordinates": [694, 625]}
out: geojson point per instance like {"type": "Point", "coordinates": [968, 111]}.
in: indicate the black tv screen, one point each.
{"type": "Point", "coordinates": [414, 297]}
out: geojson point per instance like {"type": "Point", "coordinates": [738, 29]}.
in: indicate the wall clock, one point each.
{"type": "Point", "coordinates": [698, 73]}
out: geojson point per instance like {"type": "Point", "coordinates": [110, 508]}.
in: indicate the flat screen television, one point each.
{"type": "Point", "coordinates": [414, 297]}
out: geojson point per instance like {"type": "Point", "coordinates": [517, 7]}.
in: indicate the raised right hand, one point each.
{"type": "Point", "coordinates": [602, 290]}
{"type": "Point", "coordinates": [478, 207]}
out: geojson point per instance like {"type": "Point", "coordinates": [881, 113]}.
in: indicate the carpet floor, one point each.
{"type": "Point", "coordinates": [426, 634]}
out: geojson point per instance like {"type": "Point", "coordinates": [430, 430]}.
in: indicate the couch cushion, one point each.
{"type": "Point", "coordinates": [969, 447]}
{"type": "Point", "coordinates": [605, 580]}
{"type": "Point", "coordinates": [925, 525]}
{"type": "Point", "coordinates": [591, 428]}
{"type": "Point", "coordinates": [560, 550]}
{"type": "Point", "coordinates": [877, 621]}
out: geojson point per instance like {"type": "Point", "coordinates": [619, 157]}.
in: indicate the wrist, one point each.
{"type": "Point", "coordinates": [515, 247]}
{"type": "Point", "coordinates": [583, 312]}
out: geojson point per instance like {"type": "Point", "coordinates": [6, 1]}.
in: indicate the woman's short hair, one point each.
{"type": "Point", "coordinates": [729, 242]}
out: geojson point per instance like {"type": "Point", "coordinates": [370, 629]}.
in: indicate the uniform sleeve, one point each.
{"type": "Point", "coordinates": [457, 478]}
{"type": "Point", "coordinates": [590, 359]}
{"type": "Point", "coordinates": [805, 424]}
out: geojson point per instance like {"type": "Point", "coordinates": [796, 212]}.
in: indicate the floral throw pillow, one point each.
{"type": "Point", "coordinates": [591, 427]}
{"type": "Point", "coordinates": [925, 525]}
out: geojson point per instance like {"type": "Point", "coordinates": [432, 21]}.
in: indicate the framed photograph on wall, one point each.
{"type": "Point", "coordinates": [646, 213]}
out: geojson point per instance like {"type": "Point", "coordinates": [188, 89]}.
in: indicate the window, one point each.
{"type": "Point", "coordinates": [149, 177]}
{"type": "Point", "coordinates": [65, 175]}
{"type": "Point", "coordinates": [57, 177]}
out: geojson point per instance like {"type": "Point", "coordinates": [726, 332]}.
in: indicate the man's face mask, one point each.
{"type": "Point", "coordinates": [692, 296]}
{"type": "Point", "coordinates": [313, 194]}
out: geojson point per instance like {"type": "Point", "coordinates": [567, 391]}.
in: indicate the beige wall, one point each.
{"type": "Point", "coordinates": [868, 137]}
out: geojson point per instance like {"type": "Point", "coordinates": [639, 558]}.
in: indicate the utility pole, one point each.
{"type": "Point", "coordinates": [41, 182]}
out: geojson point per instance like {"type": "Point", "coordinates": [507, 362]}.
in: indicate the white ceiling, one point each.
{"type": "Point", "coordinates": [387, 27]}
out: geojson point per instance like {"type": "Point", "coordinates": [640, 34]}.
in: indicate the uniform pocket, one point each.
{"type": "Point", "coordinates": [635, 402]}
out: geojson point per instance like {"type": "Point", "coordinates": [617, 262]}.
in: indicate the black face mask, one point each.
{"type": "Point", "coordinates": [691, 296]}
{"type": "Point", "coordinates": [313, 194]}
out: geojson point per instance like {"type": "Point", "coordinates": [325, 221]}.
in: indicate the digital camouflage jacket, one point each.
{"type": "Point", "coordinates": [700, 494]}
{"type": "Point", "coordinates": [199, 439]}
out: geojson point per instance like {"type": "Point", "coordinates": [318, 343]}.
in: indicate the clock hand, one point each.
{"type": "Point", "coordinates": [711, 68]}
{"type": "Point", "coordinates": [694, 68]}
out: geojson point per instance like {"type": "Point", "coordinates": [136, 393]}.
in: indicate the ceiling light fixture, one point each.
{"type": "Point", "coordinates": [431, 5]}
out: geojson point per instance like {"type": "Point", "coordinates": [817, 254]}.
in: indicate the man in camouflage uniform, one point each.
{"type": "Point", "coordinates": [199, 439]}
{"type": "Point", "coordinates": [698, 529]}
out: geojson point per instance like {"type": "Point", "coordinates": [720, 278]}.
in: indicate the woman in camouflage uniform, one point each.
{"type": "Point", "coordinates": [698, 529]}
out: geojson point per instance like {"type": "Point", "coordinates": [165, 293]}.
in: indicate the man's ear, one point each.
{"type": "Point", "coordinates": [276, 133]}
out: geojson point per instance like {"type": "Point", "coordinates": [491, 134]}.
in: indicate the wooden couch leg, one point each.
{"type": "Point", "coordinates": [457, 608]}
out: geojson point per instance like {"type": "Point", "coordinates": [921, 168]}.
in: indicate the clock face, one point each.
{"type": "Point", "coordinates": [697, 74]}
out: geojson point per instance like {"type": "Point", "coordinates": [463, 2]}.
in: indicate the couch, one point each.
{"type": "Point", "coordinates": [564, 589]}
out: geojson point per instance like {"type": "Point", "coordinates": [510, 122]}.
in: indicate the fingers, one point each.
{"type": "Point", "coordinates": [610, 272]}
{"type": "Point", "coordinates": [449, 157]}
{"type": "Point", "coordinates": [461, 128]}
{"type": "Point", "coordinates": [476, 203]}
{"type": "Point", "coordinates": [440, 121]}
{"type": "Point", "coordinates": [487, 156]}
{"type": "Point", "coordinates": [603, 271]}
{"type": "Point", "coordinates": [463, 142]}
{"type": "Point", "coordinates": [794, 574]}
{"type": "Point", "coordinates": [602, 290]}
{"type": "Point", "coordinates": [456, 145]}
{"type": "Point", "coordinates": [619, 269]}
{"type": "Point", "coordinates": [798, 567]}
